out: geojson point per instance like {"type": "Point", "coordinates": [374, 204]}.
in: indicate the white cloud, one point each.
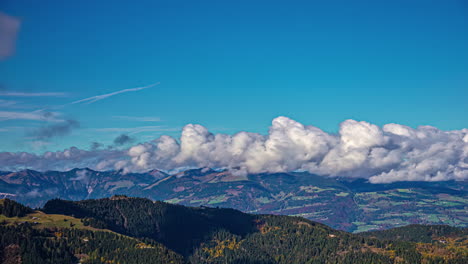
{"type": "Point", "coordinates": [36, 116]}
{"type": "Point", "coordinates": [360, 149]}
{"type": "Point", "coordinates": [135, 130]}
{"type": "Point", "coordinates": [39, 144]}
{"type": "Point", "coordinates": [8, 103]}
{"type": "Point", "coordinates": [139, 118]}
{"type": "Point", "coordinates": [23, 94]}
{"type": "Point", "coordinates": [81, 176]}
{"type": "Point", "coordinates": [60, 160]}
{"type": "Point", "coordinates": [13, 128]}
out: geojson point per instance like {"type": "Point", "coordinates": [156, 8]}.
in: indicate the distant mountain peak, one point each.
{"type": "Point", "coordinates": [157, 174]}
{"type": "Point", "coordinates": [82, 169]}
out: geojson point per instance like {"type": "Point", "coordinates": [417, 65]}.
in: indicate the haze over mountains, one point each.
{"type": "Point", "coordinates": [343, 203]}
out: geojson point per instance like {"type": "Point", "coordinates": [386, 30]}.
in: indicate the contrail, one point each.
{"type": "Point", "coordinates": [96, 98]}
{"type": "Point", "coordinates": [34, 115]}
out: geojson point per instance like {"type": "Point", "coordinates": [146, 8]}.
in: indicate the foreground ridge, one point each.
{"type": "Point", "coordinates": [124, 229]}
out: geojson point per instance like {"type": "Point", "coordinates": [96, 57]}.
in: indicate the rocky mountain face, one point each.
{"type": "Point", "coordinates": [351, 205]}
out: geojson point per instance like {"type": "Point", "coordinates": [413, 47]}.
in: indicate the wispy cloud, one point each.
{"type": "Point", "coordinates": [13, 128]}
{"type": "Point", "coordinates": [36, 116]}
{"type": "Point", "coordinates": [139, 118]}
{"type": "Point", "coordinates": [12, 104]}
{"type": "Point", "coordinates": [39, 144]}
{"type": "Point", "coordinates": [63, 126]}
{"type": "Point", "coordinates": [96, 145]}
{"type": "Point", "coordinates": [8, 103]}
{"type": "Point", "coordinates": [44, 114]}
{"type": "Point", "coordinates": [56, 130]}
{"type": "Point", "coordinates": [136, 130]}
{"type": "Point", "coordinates": [123, 139]}
{"type": "Point", "coordinates": [96, 98]}
{"type": "Point", "coordinates": [23, 94]}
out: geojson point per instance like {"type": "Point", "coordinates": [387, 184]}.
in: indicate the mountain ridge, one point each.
{"type": "Point", "coordinates": [343, 203]}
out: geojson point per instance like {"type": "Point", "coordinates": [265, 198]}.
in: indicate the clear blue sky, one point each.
{"type": "Point", "coordinates": [234, 65]}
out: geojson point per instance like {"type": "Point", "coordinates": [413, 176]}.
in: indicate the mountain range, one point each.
{"type": "Point", "coordinates": [352, 205]}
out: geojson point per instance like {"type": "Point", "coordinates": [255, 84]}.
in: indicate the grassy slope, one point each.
{"type": "Point", "coordinates": [43, 220]}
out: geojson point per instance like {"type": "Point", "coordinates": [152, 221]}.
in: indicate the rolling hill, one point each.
{"type": "Point", "coordinates": [122, 229]}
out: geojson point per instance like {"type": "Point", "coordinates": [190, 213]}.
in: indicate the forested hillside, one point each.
{"type": "Point", "coordinates": [418, 233]}
{"type": "Point", "coordinates": [135, 230]}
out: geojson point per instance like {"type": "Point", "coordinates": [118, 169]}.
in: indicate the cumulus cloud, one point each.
{"type": "Point", "coordinates": [359, 149]}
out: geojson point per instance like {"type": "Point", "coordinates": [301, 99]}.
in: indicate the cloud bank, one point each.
{"type": "Point", "coordinates": [361, 150]}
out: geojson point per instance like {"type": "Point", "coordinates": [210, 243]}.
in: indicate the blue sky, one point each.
{"type": "Point", "coordinates": [232, 66]}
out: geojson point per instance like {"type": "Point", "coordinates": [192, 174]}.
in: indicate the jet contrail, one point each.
{"type": "Point", "coordinates": [96, 98]}
{"type": "Point", "coordinates": [34, 115]}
